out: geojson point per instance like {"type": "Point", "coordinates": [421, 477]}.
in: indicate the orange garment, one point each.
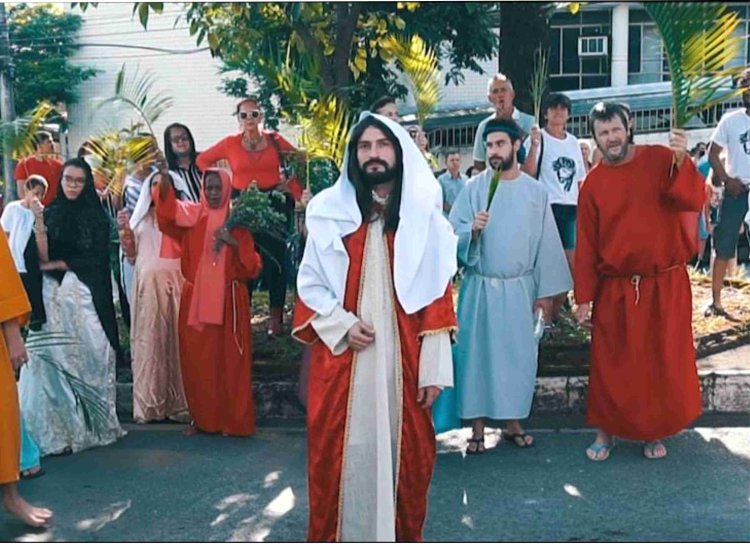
{"type": "Point", "coordinates": [247, 166]}
{"type": "Point", "coordinates": [631, 251]}
{"type": "Point", "coordinates": [215, 358]}
{"type": "Point", "coordinates": [49, 168]}
{"type": "Point", "coordinates": [13, 305]}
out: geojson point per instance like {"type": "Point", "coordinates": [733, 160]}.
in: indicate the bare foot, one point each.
{"type": "Point", "coordinates": [28, 513]}
{"type": "Point", "coordinates": [190, 430]}
{"type": "Point", "coordinates": [654, 450]}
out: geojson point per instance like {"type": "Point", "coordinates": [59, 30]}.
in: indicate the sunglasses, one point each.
{"type": "Point", "coordinates": [245, 114]}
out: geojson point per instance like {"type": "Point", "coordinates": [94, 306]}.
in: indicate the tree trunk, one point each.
{"type": "Point", "coordinates": [524, 26]}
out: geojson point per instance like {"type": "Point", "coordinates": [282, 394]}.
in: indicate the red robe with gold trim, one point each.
{"type": "Point", "coordinates": [329, 401]}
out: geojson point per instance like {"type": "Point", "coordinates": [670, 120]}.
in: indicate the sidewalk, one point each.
{"type": "Point", "coordinates": [725, 381]}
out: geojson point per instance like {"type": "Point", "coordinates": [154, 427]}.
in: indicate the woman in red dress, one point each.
{"type": "Point", "coordinates": [214, 323]}
{"type": "Point", "coordinates": [255, 156]}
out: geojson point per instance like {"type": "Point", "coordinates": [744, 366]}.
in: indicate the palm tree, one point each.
{"type": "Point", "coordinates": [699, 42]}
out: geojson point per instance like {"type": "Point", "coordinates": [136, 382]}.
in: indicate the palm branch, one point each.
{"type": "Point", "coordinates": [419, 63]}
{"type": "Point", "coordinates": [135, 92]}
{"type": "Point", "coordinates": [95, 411]}
{"type": "Point", "coordinates": [699, 42]}
{"type": "Point", "coordinates": [19, 136]}
{"type": "Point", "coordinates": [493, 188]}
{"type": "Point", "coordinates": [114, 154]}
{"type": "Point", "coordinates": [539, 80]}
{"type": "Point", "coordinates": [326, 129]}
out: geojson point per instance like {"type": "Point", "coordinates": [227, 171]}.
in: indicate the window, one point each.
{"type": "Point", "coordinates": [579, 54]}
{"type": "Point", "coordinates": [592, 46]}
{"type": "Point", "coordinates": [651, 64]}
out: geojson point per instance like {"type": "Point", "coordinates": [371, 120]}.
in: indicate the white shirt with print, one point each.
{"type": "Point", "coordinates": [733, 134]}
{"type": "Point", "coordinates": [562, 167]}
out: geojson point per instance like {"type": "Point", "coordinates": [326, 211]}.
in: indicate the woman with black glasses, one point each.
{"type": "Point", "coordinates": [256, 156]}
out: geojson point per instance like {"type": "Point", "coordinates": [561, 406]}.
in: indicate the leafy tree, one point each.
{"type": "Point", "coordinates": [524, 29]}
{"type": "Point", "coordinates": [42, 40]}
{"type": "Point", "coordinates": [298, 54]}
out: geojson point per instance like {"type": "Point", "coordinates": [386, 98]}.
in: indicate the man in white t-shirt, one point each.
{"type": "Point", "coordinates": [554, 157]}
{"type": "Point", "coordinates": [500, 93]}
{"type": "Point", "coordinates": [732, 134]}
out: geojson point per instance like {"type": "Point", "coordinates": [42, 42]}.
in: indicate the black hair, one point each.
{"type": "Point", "coordinates": [382, 101]}
{"type": "Point", "coordinates": [363, 192]}
{"type": "Point", "coordinates": [41, 137]}
{"type": "Point", "coordinates": [558, 99]}
{"type": "Point", "coordinates": [468, 170]}
{"type": "Point", "coordinates": [509, 126]}
{"type": "Point", "coordinates": [606, 111]}
{"type": "Point", "coordinates": [35, 180]}
{"type": "Point", "coordinates": [169, 154]}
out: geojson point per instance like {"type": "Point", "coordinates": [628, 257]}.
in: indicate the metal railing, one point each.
{"type": "Point", "coordinates": [647, 121]}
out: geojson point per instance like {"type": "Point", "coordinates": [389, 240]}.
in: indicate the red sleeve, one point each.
{"type": "Point", "coordinates": [212, 155]}
{"type": "Point", "coordinates": [685, 188]}
{"type": "Point", "coordinates": [19, 173]}
{"type": "Point", "coordinates": [247, 257]}
{"type": "Point", "coordinates": [439, 316]}
{"type": "Point", "coordinates": [166, 208]}
{"type": "Point", "coordinates": [284, 144]}
{"type": "Point", "coordinates": [302, 329]}
{"type": "Point", "coordinates": [586, 269]}
{"type": "Point", "coordinates": [295, 189]}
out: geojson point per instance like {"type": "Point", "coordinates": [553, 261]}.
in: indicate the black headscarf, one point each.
{"type": "Point", "coordinates": [78, 233]}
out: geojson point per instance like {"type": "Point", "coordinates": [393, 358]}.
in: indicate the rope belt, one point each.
{"type": "Point", "coordinates": [495, 280]}
{"type": "Point", "coordinates": [635, 279]}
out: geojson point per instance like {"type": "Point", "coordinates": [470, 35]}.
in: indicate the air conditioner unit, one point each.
{"type": "Point", "coordinates": [593, 46]}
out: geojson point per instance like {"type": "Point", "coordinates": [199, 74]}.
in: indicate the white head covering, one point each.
{"type": "Point", "coordinates": [425, 245]}
{"type": "Point", "coordinates": [144, 198]}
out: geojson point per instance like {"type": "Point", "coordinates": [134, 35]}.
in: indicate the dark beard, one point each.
{"type": "Point", "coordinates": [504, 165]}
{"type": "Point", "coordinates": [373, 179]}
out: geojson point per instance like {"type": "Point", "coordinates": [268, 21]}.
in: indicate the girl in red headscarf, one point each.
{"type": "Point", "coordinates": [215, 342]}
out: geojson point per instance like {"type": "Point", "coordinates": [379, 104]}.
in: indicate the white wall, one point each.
{"type": "Point", "coordinates": [192, 80]}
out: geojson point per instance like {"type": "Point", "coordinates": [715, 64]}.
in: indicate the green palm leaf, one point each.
{"type": "Point", "coordinates": [326, 129]}
{"type": "Point", "coordinates": [539, 80]}
{"type": "Point", "coordinates": [419, 64]}
{"type": "Point", "coordinates": [135, 92]}
{"type": "Point", "coordinates": [95, 410]}
{"type": "Point", "coordinates": [19, 135]}
{"type": "Point", "coordinates": [699, 42]}
{"type": "Point", "coordinates": [114, 154]}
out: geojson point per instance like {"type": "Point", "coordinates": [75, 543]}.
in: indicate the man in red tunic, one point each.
{"type": "Point", "coordinates": [214, 324]}
{"type": "Point", "coordinates": [633, 244]}
{"type": "Point", "coordinates": [375, 303]}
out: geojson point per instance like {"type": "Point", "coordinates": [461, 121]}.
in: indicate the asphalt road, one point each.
{"type": "Point", "coordinates": [156, 485]}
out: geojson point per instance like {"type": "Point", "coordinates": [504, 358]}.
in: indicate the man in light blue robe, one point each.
{"type": "Point", "coordinates": [514, 263]}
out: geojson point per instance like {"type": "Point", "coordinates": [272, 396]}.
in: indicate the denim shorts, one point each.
{"type": "Point", "coordinates": [727, 231]}
{"type": "Point", "coordinates": [565, 218]}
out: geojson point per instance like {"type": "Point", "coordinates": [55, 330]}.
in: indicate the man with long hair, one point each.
{"type": "Point", "coordinates": [375, 303]}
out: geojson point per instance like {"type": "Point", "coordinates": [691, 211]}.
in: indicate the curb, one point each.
{"type": "Point", "coordinates": [726, 391]}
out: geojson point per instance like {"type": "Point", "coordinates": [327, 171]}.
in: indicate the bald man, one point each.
{"type": "Point", "coordinates": [500, 93]}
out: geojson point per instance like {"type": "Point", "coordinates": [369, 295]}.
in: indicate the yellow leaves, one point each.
{"type": "Point", "coordinates": [325, 129]}
{"type": "Point", "coordinates": [699, 40]}
{"type": "Point", "coordinates": [408, 6]}
{"type": "Point", "coordinates": [420, 66]}
{"type": "Point", "coordinates": [358, 64]}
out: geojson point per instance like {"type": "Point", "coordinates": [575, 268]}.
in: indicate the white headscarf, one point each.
{"type": "Point", "coordinates": [143, 204]}
{"type": "Point", "coordinates": [424, 249]}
